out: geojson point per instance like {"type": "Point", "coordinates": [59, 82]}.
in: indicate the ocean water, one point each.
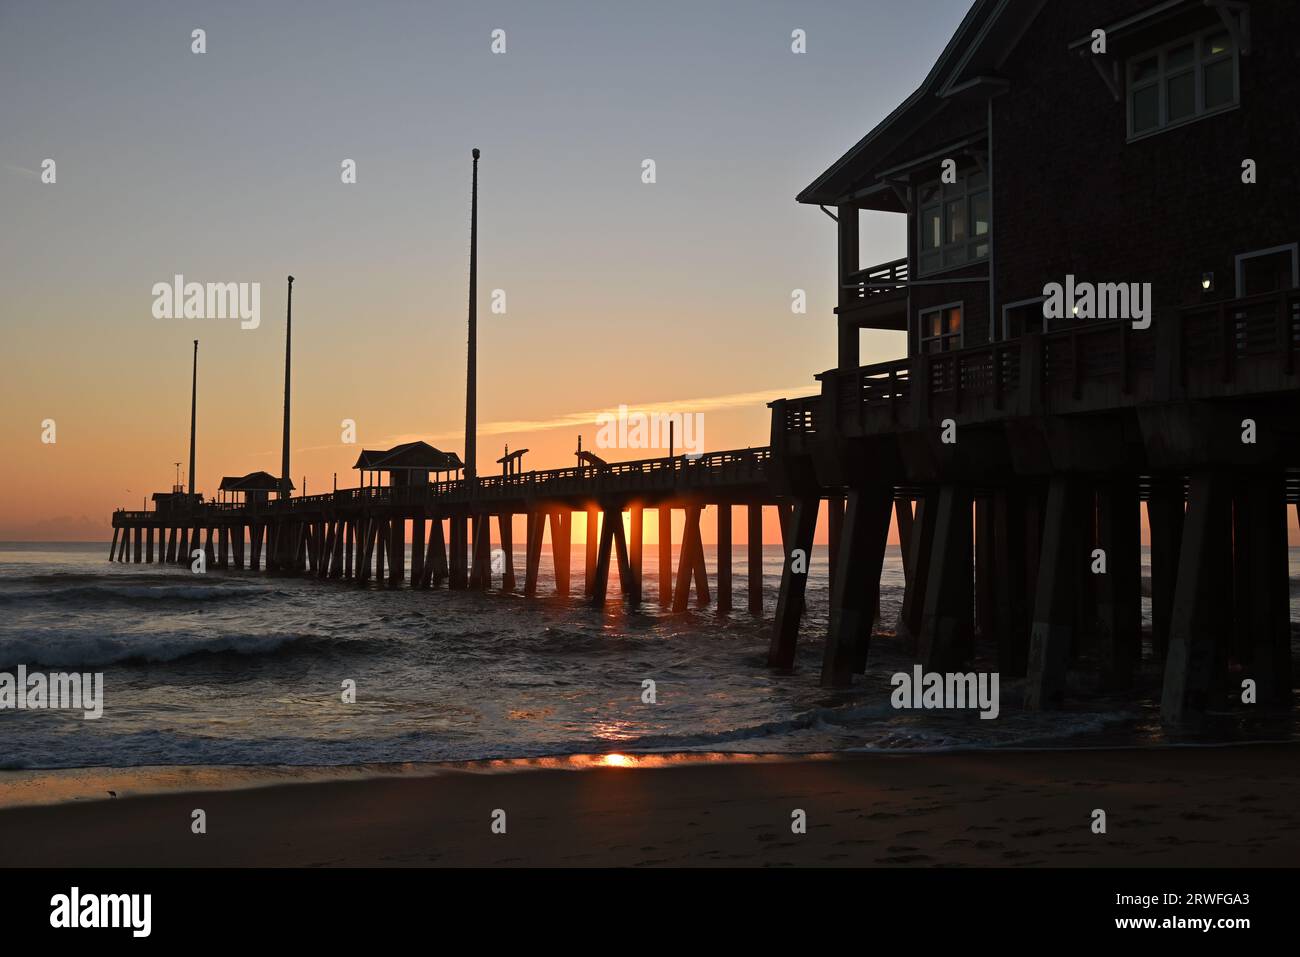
{"type": "Point", "coordinates": [240, 668]}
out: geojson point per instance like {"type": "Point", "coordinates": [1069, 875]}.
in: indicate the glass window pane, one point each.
{"type": "Point", "coordinates": [1219, 84]}
{"type": "Point", "coordinates": [979, 213]}
{"type": "Point", "coordinates": [1217, 43]}
{"type": "Point", "coordinates": [1180, 57]}
{"type": "Point", "coordinates": [1182, 96]}
{"type": "Point", "coordinates": [954, 320]}
{"type": "Point", "coordinates": [1146, 109]}
{"type": "Point", "coordinates": [1146, 69]}
{"type": "Point", "coordinates": [954, 255]}
{"type": "Point", "coordinates": [930, 261]}
{"type": "Point", "coordinates": [956, 215]}
{"type": "Point", "coordinates": [931, 232]}
{"type": "Point", "coordinates": [980, 250]}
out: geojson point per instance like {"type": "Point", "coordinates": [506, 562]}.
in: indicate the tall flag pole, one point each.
{"type": "Point", "coordinates": [471, 379]}
{"type": "Point", "coordinates": [194, 408]}
{"type": "Point", "coordinates": [288, 341]}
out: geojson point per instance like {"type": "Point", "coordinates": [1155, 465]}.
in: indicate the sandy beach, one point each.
{"type": "Point", "coordinates": [1214, 807]}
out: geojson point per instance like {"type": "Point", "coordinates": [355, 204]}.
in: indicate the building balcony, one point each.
{"type": "Point", "coordinates": [875, 297]}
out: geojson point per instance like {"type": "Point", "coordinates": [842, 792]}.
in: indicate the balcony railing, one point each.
{"type": "Point", "coordinates": [874, 282]}
{"type": "Point", "coordinates": [1239, 346]}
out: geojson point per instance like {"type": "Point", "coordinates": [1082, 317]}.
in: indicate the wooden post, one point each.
{"type": "Point", "coordinates": [919, 550]}
{"type": "Point", "coordinates": [834, 532]}
{"type": "Point", "coordinates": [418, 579]}
{"type": "Point", "coordinates": [112, 549]}
{"type": "Point", "coordinates": [435, 561]}
{"type": "Point", "coordinates": [687, 559]}
{"type": "Point", "coordinates": [148, 545]}
{"type": "Point", "coordinates": [1166, 510]}
{"type": "Point", "coordinates": [798, 531]}
{"type": "Point", "coordinates": [237, 542]}
{"type": "Point", "coordinates": [1119, 590]}
{"type": "Point", "coordinates": [637, 516]}
{"type": "Point", "coordinates": [397, 550]}
{"type": "Point", "coordinates": [561, 549]}
{"type": "Point", "coordinates": [724, 557]}
{"type": "Point", "coordinates": [599, 570]}
{"type": "Point", "coordinates": [340, 549]}
{"type": "Point", "coordinates": [1052, 633]}
{"type": "Point", "coordinates": [1013, 595]}
{"type": "Point", "coordinates": [665, 555]}
{"type": "Point", "coordinates": [947, 624]}
{"type": "Point", "coordinates": [856, 576]}
{"type": "Point", "coordinates": [754, 574]}
{"type": "Point", "coordinates": [1197, 612]}
{"type": "Point", "coordinates": [505, 530]}
{"type": "Point", "coordinates": [591, 542]}
{"type": "Point", "coordinates": [458, 540]}
{"type": "Point", "coordinates": [701, 574]}
{"type": "Point", "coordinates": [139, 548]}
{"type": "Point", "coordinates": [533, 551]}
{"type": "Point", "coordinates": [349, 538]}
{"type": "Point", "coordinates": [1263, 606]}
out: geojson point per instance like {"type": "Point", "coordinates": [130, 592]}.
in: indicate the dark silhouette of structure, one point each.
{"type": "Point", "coordinates": [1112, 143]}
{"type": "Point", "coordinates": [1139, 155]}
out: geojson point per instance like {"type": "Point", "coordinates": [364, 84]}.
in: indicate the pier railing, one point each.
{"type": "Point", "coordinates": [1239, 346]}
{"type": "Point", "coordinates": [684, 473]}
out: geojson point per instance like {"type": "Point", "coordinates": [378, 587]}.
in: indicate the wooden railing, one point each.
{"type": "Point", "coordinates": [729, 468]}
{"type": "Point", "coordinates": [1218, 338]}
{"type": "Point", "coordinates": [1237, 346]}
{"type": "Point", "coordinates": [865, 284]}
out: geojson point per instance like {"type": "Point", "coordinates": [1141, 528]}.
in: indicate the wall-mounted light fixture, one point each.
{"type": "Point", "coordinates": [1207, 281]}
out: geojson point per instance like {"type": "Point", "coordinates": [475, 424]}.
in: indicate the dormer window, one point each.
{"type": "Point", "coordinates": [1181, 82]}
{"type": "Point", "coordinates": [953, 228]}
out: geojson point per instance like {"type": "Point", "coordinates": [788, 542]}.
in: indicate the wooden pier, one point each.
{"type": "Point", "coordinates": [360, 534]}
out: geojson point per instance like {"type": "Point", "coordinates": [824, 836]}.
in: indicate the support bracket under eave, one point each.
{"type": "Point", "coordinates": [828, 213]}
{"type": "Point", "coordinates": [1107, 68]}
{"type": "Point", "coordinates": [903, 192]}
{"type": "Point", "coordinates": [1236, 17]}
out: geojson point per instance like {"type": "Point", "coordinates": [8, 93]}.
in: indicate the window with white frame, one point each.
{"type": "Point", "coordinates": [953, 226]}
{"type": "Point", "coordinates": [1179, 82]}
{"type": "Point", "coordinates": [940, 328]}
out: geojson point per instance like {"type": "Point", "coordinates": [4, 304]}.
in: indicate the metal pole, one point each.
{"type": "Point", "coordinates": [288, 341]}
{"type": "Point", "coordinates": [194, 406]}
{"type": "Point", "coordinates": [471, 380]}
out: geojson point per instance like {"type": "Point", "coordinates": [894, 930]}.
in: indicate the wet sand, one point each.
{"type": "Point", "coordinates": [1215, 807]}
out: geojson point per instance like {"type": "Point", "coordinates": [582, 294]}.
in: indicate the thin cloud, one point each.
{"type": "Point", "coordinates": [569, 420]}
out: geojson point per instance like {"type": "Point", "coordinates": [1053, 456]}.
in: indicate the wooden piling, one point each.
{"type": "Point", "coordinates": [665, 513]}
{"type": "Point", "coordinates": [1119, 590]}
{"type": "Point", "coordinates": [754, 568]}
{"type": "Point", "coordinates": [1198, 600]}
{"type": "Point", "coordinates": [417, 551]}
{"type": "Point", "coordinates": [857, 567]}
{"type": "Point", "coordinates": [561, 549]}
{"type": "Point", "coordinates": [1166, 511]}
{"type": "Point", "coordinates": [637, 545]}
{"type": "Point", "coordinates": [947, 624]}
{"type": "Point", "coordinates": [724, 557]}
{"type": "Point", "coordinates": [799, 529]}
{"type": "Point", "coordinates": [591, 542]}
{"type": "Point", "coordinates": [1052, 633]}
{"type": "Point", "coordinates": [505, 532]}
{"type": "Point", "coordinates": [533, 551]}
